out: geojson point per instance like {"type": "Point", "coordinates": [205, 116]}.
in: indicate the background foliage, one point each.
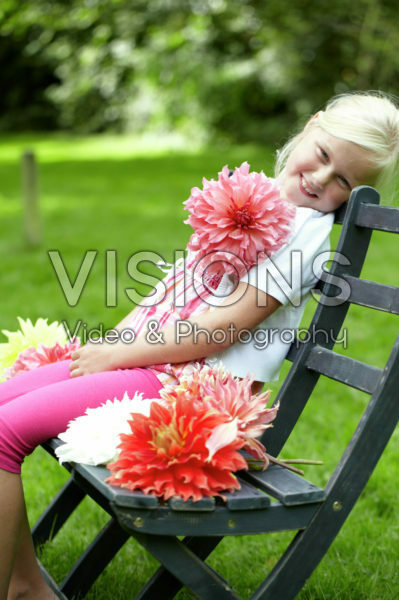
{"type": "Point", "coordinates": [239, 68]}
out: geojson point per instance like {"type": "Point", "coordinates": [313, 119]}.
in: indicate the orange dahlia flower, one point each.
{"type": "Point", "coordinates": [183, 448]}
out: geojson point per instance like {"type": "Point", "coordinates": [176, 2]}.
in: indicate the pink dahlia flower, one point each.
{"type": "Point", "coordinates": [237, 221]}
{"type": "Point", "coordinates": [220, 390]}
{"type": "Point", "coordinates": [168, 453]}
{"type": "Point", "coordinates": [31, 358]}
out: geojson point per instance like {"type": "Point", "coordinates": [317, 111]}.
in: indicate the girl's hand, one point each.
{"type": "Point", "coordinates": [94, 357]}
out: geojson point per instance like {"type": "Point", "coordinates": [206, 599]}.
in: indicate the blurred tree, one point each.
{"type": "Point", "coordinates": [246, 69]}
{"type": "Point", "coordinates": [25, 78]}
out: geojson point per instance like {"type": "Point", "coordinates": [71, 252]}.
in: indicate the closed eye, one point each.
{"type": "Point", "coordinates": [345, 182]}
{"type": "Point", "coordinates": [323, 154]}
{"type": "Point", "coordinates": [325, 157]}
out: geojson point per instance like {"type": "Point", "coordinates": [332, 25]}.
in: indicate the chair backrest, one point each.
{"type": "Point", "coordinates": [315, 357]}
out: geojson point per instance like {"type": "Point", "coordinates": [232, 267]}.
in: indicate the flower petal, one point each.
{"type": "Point", "coordinates": [221, 436]}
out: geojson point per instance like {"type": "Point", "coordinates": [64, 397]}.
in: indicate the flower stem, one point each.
{"type": "Point", "coordinates": [302, 461]}
{"type": "Point", "coordinates": [284, 464]}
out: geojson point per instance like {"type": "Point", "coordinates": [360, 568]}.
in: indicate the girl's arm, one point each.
{"type": "Point", "coordinates": [124, 324]}
{"type": "Point", "coordinates": [245, 308]}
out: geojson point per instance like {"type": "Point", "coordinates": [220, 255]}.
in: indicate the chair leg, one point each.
{"type": "Point", "coordinates": [187, 567]}
{"type": "Point", "coordinates": [57, 512]}
{"type": "Point", "coordinates": [344, 488]}
{"type": "Point", "coordinates": [94, 560]}
{"type": "Point", "coordinates": [303, 554]}
{"type": "Point", "coordinates": [165, 585]}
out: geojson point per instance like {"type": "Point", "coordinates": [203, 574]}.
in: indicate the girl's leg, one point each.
{"type": "Point", "coordinates": [25, 422]}
{"type": "Point", "coordinates": [13, 519]}
{"type": "Point", "coordinates": [28, 420]}
{"type": "Point", "coordinates": [26, 580]}
{"type": "Point", "coordinates": [11, 511]}
{"type": "Point", "coordinates": [33, 380]}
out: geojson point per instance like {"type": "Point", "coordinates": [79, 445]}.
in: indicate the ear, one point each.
{"type": "Point", "coordinates": [313, 120]}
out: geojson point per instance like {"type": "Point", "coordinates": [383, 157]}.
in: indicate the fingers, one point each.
{"type": "Point", "coordinates": [74, 366]}
{"type": "Point", "coordinates": [75, 373]}
{"type": "Point", "coordinates": [74, 370]}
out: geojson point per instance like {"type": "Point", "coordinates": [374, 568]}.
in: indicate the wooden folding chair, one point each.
{"type": "Point", "coordinates": [273, 500]}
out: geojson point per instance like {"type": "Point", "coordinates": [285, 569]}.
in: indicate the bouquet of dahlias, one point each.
{"type": "Point", "coordinates": [183, 444]}
{"type": "Point", "coordinates": [188, 445]}
{"type": "Point", "coordinates": [33, 346]}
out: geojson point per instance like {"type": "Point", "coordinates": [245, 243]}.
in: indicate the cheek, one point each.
{"type": "Point", "coordinates": [293, 165]}
{"type": "Point", "coordinates": [343, 194]}
{"type": "Point", "coordinates": [337, 199]}
{"type": "Point", "coordinates": [300, 160]}
{"type": "Point", "coordinates": [289, 186]}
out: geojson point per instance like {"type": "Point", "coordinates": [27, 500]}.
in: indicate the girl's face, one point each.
{"type": "Point", "coordinates": [323, 169]}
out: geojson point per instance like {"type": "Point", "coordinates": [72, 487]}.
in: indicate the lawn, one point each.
{"type": "Point", "coordinates": [125, 195]}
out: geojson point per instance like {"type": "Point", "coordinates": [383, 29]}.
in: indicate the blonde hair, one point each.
{"type": "Point", "coordinates": [369, 119]}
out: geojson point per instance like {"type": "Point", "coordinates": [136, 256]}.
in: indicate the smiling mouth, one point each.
{"type": "Point", "coordinates": [304, 187]}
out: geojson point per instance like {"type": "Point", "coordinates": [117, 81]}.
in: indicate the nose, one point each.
{"type": "Point", "coordinates": [321, 177]}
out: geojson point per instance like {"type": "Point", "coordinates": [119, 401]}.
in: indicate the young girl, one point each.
{"type": "Point", "coordinates": [354, 141]}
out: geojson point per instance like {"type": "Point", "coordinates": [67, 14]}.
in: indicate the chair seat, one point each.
{"type": "Point", "coordinates": [267, 501]}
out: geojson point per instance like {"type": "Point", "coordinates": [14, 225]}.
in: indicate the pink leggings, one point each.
{"type": "Point", "coordinates": [38, 405]}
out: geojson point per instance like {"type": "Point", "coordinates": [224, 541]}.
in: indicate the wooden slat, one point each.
{"type": "Point", "coordinates": [383, 218]}
{"type": "Point", "coordinates": [372, 294]}
{"type": "Point", "coordinates": [344, 369]}
{"type": "Point", "coordinates": [289, 488]}
{"type": "Point", "coordinates": [94, 559]}
{"type": "Point", "coordinates": [185, 565]}
{"type": "Point", "coordinates": [96, 476]}
{"type": "Point", "coordinates": [203, 505]}
{"type": "Point", "coordinates": [50, 447]}
{"type": "Point", "coordinates": [293, 351]}
{"type": "Point", "coordinates": [248, 497]}
{"type": "Point", "coordinates": [162, 580]}
{"type": "Point", "coordinates": [220, 521]}
{"type": "Point", "coordinates": [57, 512]}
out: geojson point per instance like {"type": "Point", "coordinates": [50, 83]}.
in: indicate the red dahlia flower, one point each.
{"type": "Point", "coordinates": [168, 454]}
{"type": "Point", "coordinates": [237, 220]}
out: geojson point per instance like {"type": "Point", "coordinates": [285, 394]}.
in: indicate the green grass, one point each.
{"type": "Point", "coordinates": [123, 194]}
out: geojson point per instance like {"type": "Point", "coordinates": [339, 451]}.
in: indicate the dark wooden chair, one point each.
{"type": "Point", "coordinates": [273, 500]}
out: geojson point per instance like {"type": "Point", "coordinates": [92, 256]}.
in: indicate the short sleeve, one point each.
{"type": "Point", "coordinates": [289, 274]}
{"type": "Point", "coordinates": [261, 352]}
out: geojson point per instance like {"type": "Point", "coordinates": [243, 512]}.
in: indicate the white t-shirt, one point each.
{"type": "Point", "coordinates": [288, 276]}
